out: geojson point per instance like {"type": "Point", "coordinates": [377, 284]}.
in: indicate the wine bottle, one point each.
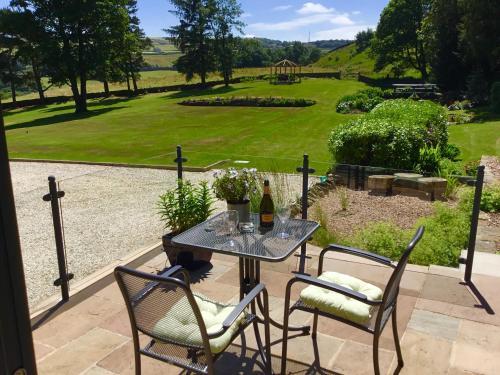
{"type": "Point", "coordinates": [266, 208]}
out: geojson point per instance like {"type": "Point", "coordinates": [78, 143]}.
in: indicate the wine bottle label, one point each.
{"type": "Point", "coordinates": [267, 218]}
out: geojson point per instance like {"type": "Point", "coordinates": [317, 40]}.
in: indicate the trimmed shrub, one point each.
{"type": "Point", "coordinates": [495, 97]}
{"type": "Point", "coordinates": [362, 101]}
{"type": "Point", "coordinates": [391, 135]}
{"type": "Point", "coordinates": [250, 101]}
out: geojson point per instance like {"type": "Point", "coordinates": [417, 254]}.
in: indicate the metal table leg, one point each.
{"type": "Point", "coordinates": [256, 277]}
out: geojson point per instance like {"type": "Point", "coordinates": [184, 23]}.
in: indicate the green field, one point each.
{"type": "Point", "coordinates": [146, 129]}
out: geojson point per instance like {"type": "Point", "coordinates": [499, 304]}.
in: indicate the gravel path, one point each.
{"type": "Point", "coordinates": [108, 212]}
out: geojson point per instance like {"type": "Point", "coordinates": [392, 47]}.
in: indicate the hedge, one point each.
{"type": "Point", "coordinates": [250, 101]}
{"type": "Point", "coordinates": [362, 101]}
{"type": "Point", "coordinates": [391, 135]}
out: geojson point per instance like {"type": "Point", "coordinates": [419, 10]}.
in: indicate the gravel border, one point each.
{"type": "Point", "coordinates": [108, 212]}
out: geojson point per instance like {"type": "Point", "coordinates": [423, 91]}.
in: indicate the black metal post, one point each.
{"type": "Point", "coordinates": [474, 222]}
{"type": "Point", "coordinates": [53, 198]}
{"type": "Point", "coordinates": [305, 190]}
{"type": "Point", "coordinates": [179, 160]}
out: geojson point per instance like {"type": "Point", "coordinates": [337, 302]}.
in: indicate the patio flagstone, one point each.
{"type": "Point", "coordinates": [442, 329]}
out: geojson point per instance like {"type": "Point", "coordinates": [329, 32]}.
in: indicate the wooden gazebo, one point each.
{"type": "Point", "coordinates": [285, 72]}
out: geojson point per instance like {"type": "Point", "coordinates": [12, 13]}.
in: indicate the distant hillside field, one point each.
{"type": "Point", "coordinates": [348, 61]}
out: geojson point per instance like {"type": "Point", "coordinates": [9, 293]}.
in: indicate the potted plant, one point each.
{"type": "Point", "coordinates": [236, 187]}
{"type": "Point", "coordinates": [181, 208]}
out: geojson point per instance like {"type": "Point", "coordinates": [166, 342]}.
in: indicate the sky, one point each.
{"type": "Point", "coordinates": [281, 19]}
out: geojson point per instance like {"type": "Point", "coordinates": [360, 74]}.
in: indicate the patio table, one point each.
{"type": "Point", "coordinates": [251, 248]}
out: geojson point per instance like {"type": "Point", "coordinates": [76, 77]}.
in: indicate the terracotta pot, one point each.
{"type": "Point", "coordinates": [243, 209]}
{"type": "Point", "coordinates": [188, 258]}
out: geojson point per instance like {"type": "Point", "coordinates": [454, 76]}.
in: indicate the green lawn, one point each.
{"type": "Point", "coordinates": [145, 130]}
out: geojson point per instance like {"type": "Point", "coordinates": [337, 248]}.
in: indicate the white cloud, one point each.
{"type": "Point", "coordinates": [342, 19]}
{"type": "Point", "coordinates": [246, 15]}
{"type": "Point", "coordinates": [308, 20]}
{"type": "Point", "coordinates": [249, 36]}
{"type": "Point", "coordinates": [281, 8]}
{"type": "Point", "coordinates": [346, 32]}
{"type": "Point", "coordinates": [314, 8]}
{"type": "Point", "coordinates": [292, 24]}
{"type": "Point", "coordinates": [356, 12]}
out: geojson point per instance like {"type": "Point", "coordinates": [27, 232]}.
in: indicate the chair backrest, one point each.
{"type": "Point", "coordinates": [392, 289]}
{"type": "Point", "coordinates": [151, 301]}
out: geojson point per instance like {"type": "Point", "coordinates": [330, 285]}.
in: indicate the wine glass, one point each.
{"type": "Point", "coordinates": [283, 212]}
{"type": "Point", "coordinates": [231, 223]}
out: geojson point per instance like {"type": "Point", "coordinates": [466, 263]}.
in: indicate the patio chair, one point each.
{"type": "Point", "coordinates": [183, 328]}
{"type": "Point", "coordinates": [351, 300]}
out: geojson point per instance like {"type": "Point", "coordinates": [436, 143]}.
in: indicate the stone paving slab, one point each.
{"type": "Point", "coordinates": [484, 263]}
{"type": "Point", "coordinates": [437, 336]}
{"type": "Point", "coordinates": [437, 325]}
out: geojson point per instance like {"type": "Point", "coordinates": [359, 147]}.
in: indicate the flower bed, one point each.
{"type": "Point", "coordinates": [250, 101]}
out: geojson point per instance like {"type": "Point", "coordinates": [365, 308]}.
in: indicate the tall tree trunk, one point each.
{"type": "Point", "coordinates": [128, 82]}
{"type": "Point", "coordinates": [75, 91]}
{"type": "Point", "coordinates": [12, 83]}
{"type": "Point", "coordinates": [81, 106]}
{"type": "Point", "coordinates": [106, 87]}
{"type": "Point", "coordinates": [13, 91]}
{"type": "Point", "coordinates": [134, 82]}
{"type": "Point", "coordinates": [38, 80]}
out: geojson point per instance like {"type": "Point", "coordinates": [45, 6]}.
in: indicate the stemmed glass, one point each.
{"type": "Point", "coordinates": [283, 212]}
{"type": "Point", "coordinates": [231, 223]}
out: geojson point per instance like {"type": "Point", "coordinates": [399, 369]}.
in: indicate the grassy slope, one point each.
{"type": "Point", "coordinates": [349, 62]}
{"type": "Point", "coordinates": [147, 129]}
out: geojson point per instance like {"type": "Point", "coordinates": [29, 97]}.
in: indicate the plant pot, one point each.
{"type": "Point", "coordinates": [243, 209]}
{"type": "Point", "coordinates": [183, 256]}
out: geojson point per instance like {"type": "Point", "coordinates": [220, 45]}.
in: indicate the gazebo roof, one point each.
{"type": "Point", "coordinates": [285, 63]}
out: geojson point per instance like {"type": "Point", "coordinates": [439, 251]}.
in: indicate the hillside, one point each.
{"type": "Point", "coordinates": [348, 61]}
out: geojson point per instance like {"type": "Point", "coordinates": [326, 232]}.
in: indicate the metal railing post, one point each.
{"type": "Point", "coordinates": [179, 160]}
{"type": "Point", "coordinates": [305, 190]}
{"type": "Point", "coordinates": [478, 183]}
{"type": "Point", "coordinates": [64, 276]}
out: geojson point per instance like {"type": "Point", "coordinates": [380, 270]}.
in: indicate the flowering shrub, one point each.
{"type": "Point", "coordinates": [391, 135]}
{"type": "Point", "coordinates": [362, 101]}
{"type": "Point", "coordinates": [235, 186]}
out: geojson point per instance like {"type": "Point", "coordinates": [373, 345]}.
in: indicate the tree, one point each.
{"type": "Point", "coordinates": [364, 39]}
{"type": "Point", "coordinates": [399, 38]}
{"type": "Point", "coordinates": [193, 37]}
{"type": "Point", "coordinates": [12, 71]}
{"type": "Point", "coordinates": [441, 29]}
{"type": "Point", "coordinates": [73, 32]}
{"type": "Point", "coordinates": [134, 43]}
{"type": "Point", "coordinates": [226, 14]}
{"type": "Point", "coordinates": [480, 36]}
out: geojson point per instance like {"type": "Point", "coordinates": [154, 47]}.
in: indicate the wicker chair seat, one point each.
{"type": "Point", "coordinates": [179, 325]}
{"type": "Point", "coordinates": [339, 305]}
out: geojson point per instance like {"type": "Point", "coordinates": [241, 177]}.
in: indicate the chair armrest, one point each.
{"type": "Point", "coordinates": [335, 288]}
{"type": "Point", "coordinates": [173, 271]}
{"type": "Point", "coordinates": [357, 252]}
{"type": "Point", "coordinates": [238, 309]}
